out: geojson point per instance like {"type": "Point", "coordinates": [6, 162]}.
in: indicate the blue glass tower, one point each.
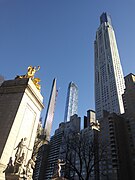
{"type": "Point", "coordinates": [71, 102]}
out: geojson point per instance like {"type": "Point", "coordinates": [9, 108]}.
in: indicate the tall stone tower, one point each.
{"type": "Point", "coordinates": [109, 79]}
{"type": "Point", "coordinates": [20, 107]}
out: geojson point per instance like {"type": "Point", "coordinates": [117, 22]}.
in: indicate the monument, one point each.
{"type": "Point", "coordinates": [20, 106]}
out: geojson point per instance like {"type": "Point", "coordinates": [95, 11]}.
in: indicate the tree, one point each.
{"type": "Point", "coordinates": [82, 155]}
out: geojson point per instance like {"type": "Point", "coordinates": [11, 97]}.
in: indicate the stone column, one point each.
{"type": "Point", "coordinates": [20, 107]}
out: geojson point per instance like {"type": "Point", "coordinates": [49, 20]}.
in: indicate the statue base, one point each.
{"type": "Point", "coordinates": [17, 177]}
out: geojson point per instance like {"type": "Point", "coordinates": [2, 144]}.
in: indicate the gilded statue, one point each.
{"type": "Point", "coordinates": [31, 71]}
{"type": "Point", "coordinates": [30, 74]}
{"type": "Point", "coordinates": [36, 81]}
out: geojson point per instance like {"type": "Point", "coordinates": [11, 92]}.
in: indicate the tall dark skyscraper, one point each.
{"type": "Point", "coordinates": [129, 95]}
{"type": "Point", "coordinates": [109, 79]}
{"type": "Point", "coordinates": [50, 110]}
{"type": "Point", "coordinates": [129, 104]}
{"type": "Point", "coordinates": [71, 102]}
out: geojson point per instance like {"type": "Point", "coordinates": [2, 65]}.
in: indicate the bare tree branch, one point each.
{"type": "Point", "coordinates": [82, 156]}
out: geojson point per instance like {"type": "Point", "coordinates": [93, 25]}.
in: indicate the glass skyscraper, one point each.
{"type": "Point", "coordinates": [50, 111]}
{"type": "Point", "coordinates": [71, 102]}
{"type": "Point", "coordinates": [109, 79]}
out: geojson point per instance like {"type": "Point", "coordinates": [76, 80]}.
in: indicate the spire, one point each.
{"type": "Point", "coordinates": [105, 18]}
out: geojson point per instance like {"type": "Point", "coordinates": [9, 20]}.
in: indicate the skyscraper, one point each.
{"type": "Point", "coordinates": [57, 146]}
{"type": "Point", "coordinates": [50, 110]}
{"type": "Point", "coordinates": [114, 144]}
{"type": "Point", "coordinates": [129, 95]}
{"type": "Point", "coordinates": [129, 105]}
{"type": "Point", "coordinates": [109, 79]}
{"type": "Point", "coordinates": [71, 102]}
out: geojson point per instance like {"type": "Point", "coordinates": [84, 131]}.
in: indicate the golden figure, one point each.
{"type": "Point", "coordinates": [30, 74]}
{"type": "Point", "coordinates": [31, 71]}
{"type": "Point", "coordinates": [36, 81]}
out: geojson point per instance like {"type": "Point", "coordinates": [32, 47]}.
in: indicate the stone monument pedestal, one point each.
{"type": "Point", "coordinates": [13, 177]}
{"type": "Point", "coordinates": [20, 107]}
{"type": "Point", "coordinates": [17, 177]}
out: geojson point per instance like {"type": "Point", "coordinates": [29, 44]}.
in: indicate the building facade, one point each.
{"type": "Point", "coordinates": [90, 118]}
{"type": "Point", "coordinates": [90, 135]}
{"type": "Point", "coordinates": [56, 150]}
{"type": "Point", "coordinates": [129, 95]}
{"type": "Point", "coordinates": [129, 105]}
{"type": "Point", "coordinates": [109, 79]}
{"type": "Point", "coordinates": [50, 111]}
{"type": "Point", "coordinates": [41, 159]}
{"type": "Point", "coordinates": [71, 101]}
{"type": "Point", "coordinates": [53, 156]}
{"type": "Point", "coordinates": [116, 162]}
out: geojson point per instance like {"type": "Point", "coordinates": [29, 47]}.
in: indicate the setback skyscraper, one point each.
{"type": "Point", "coordinates": [71, 102]}
{"type": "Point", "coordinates": [109, 79]}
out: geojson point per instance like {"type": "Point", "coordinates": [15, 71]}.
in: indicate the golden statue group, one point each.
{"type": "Point", "coordinates": [30, 74]}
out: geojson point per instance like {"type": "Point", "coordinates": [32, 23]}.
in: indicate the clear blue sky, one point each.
{"type": "Point", "coordinates": [58, 35]}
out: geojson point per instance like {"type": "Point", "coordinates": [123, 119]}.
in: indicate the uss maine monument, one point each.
{"type": "Point", "coordinates": [20, 106]}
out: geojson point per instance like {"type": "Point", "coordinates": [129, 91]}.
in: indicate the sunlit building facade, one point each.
{"type": "Point", "coordinates": [109, 79]}
{"type": "Point", "coordinates": [50, 111]}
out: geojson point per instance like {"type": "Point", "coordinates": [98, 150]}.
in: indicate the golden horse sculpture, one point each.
{"type": "Point", "coordinates": [30, 74]}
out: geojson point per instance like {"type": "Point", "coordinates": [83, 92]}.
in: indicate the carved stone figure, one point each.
{"type": "Point", "coordinates": [18, 166]}
{"type": "Point", "coordinates": [21, 147]}
{"type": "Point", "coordinates": [10, 167]}
{"type": "Point", "coordinates": [29, 167]}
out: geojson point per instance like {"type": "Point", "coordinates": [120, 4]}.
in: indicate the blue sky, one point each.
{"type": "Point", "coordinates": [58, 35]}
